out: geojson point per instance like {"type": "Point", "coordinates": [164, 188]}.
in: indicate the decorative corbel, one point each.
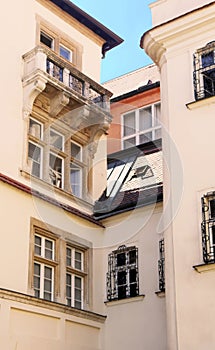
{"type": "Point", "coordinates": [58, 103]}
{"type": "Point", "coordinates": [31, 89]}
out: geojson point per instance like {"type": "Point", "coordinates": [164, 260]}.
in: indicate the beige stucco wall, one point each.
{"type": "Point", "coordinates": [20, 26]}
{"type": "Point", "coordinates": [137, 322]}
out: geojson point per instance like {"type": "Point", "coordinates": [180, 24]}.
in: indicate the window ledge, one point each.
{"type": "Point", "coordinates": [204, 267]}
{"type": "Point", "coordinates": [125, 301]}
{"type": "Point", "coordinates": [200, 103]}
{"type": "Point", "coordinates": [160, 293]}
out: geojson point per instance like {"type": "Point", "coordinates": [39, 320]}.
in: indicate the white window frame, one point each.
{"type": "Point", "coordinates": [62, 173]}
{"type": "Point", "coordinates": [67, 49]}
{"type": "Point", "coordinates": [57, 133]}
{"type": "Point", "coordinates": [71, 300]}
{"type": "Point", "coordinates": [42, 279]}
{"type": "Point", "coordinates": [137, 132]}
{"type": "Point", "coordinates": [33, 161]}
{"type": "Point", "coordinates": [76, 164]}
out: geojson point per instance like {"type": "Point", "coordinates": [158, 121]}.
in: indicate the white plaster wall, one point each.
{"type": "Point", "coordinates": [165, 10]}
{"type": "Point", "coordinates": [190, 295]}
{"type": "Point", "coordinates": [137, 323]}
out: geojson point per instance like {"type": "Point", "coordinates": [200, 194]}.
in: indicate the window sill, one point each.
{"type": "Point", "coordinates": [50, 305]}
{"type": "Point", "coordinates": [204, 267]}
{"type": "Point", "coordinates": [40, 184]}
{"type": "Point", "coordinates": [200, 103]}
{"type": "Point", "coordinates": [125, 301]}
{"type": "Point", "coordinates": [160, 293]}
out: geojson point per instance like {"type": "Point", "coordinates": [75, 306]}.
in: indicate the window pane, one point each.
{"type": "Point", "coordinates": [132, 257]}
{"type": "Point", "coordinates": [34, 154]}
{"type": "Point", "coordinates": [65, 53]}
{"type": "Point", "coordinates": [133, 290]}
{"type": "Point", "coordinates": [68, 256]}
{"type": "Point", "coordinates": [78, 260]}
{"type": "Point", "coordinates": [132, 275]}
{"type": "Point", "coordinates": [121, 277]}
{"type": "Point", "coordinates": [212, 208]}
{"type": "Point", "coordinates": [76, 151]}
{"type": "Point", "coordinates": [158, 133]}
{"type": "Point", "coordinates": [75, 179]}
{"type": "Point", "coordinates": [121, 259]}
{"type": "Point", "coordinates": [46, 40]}
{"type": "Point", "coordinates": [129, 126]}
{"type": "Point", "coordinates": [121, 292]}
{"type": "Point", "coordinates": [56, 140]}
{"type": "Point", "coordinates": [146, 137]}
{"type": "Point", "coordinates": [78, 292]}
{"type": "Point", "coordinates": [129, 143]}
{"type": "Point", "coordinates": [55, 170]}
{"type": "Point", "coordinates": [37, 245]}
{"type": "Point", "coordinates": [48, 283]}
{"type": "Point", "coordinates": [207, 59]}
{"type": "Point", "coordinates": [35, 128]}
{"type": "Point", "coordinates": [48, 249]}
{"type": "Point", "coordinates": [145, 118]}
{"type": "Point", "coordinates": [37, 280]}
{"type": "Point", "coordinates": [157, 113]}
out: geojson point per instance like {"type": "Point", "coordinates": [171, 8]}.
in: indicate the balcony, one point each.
{"type": "Point", "coordinates": [204, 72]}
{"type": "Point", "coordinates": [44, 68]}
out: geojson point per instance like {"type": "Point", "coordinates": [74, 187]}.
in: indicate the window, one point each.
{"type": "Point", "coordinates": [53, 41]}
{"type": "Point", "coordinates": [47, 158]}
{"type": "Point", "coordinates": [74, 277]}
{"type": "Point", "coordinates": [204, 71]}
{"type": "Point", "coordinates": [44, 267]}
{"type": "Point", "coordinates": [76, 166]}
{"type": "Point", "coordinates": [60, 268]}
{"type": "Point", "coordinates": [141, 126]}
{"type": "Point", "coordinates": [208, 227]}
{"type": "Point", "coordinates": [161, 266]}
{"type": "Point", "coordinates": [122, 276]}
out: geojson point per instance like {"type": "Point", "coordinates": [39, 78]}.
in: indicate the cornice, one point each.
{"type": "Point", "coordinates": [159, 39]}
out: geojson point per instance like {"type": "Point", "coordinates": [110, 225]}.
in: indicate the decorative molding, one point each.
{"type": "Point", "coordinates": [53, 306]}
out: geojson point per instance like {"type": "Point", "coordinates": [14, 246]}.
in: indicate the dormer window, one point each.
{"type": "Point", "coordinates": [204, 71]}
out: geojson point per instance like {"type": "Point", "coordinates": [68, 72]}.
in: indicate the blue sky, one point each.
{"type": "Point", "coordinates": [127, 18]}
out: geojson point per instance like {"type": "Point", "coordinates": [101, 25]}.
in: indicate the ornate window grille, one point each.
{"type": "Point", "coordinates": [204, 71]}
{"type": "Point", "coordinates": [122, 276]}
{"type": "Point", "coordinates": [208, 227]}
{"type": "Point", "coordinates": [161, 266]}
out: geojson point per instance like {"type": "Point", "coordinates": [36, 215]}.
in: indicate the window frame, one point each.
{"type": "Point", "coordinates": [60, 38]}
{"type": "Point", "coordinates": [49, 150]}
{"type": "Point", "coordinates": [61, 241]}
{"type": "Point", "coordinates": [137, 132]}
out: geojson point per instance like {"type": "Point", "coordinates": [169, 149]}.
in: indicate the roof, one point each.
{"type": "Point", "coordinates": [134, 80]}
{"type": "Point", "coordinates": [111, 39]}
{"type": "Point", "coordinates": [134, 179]}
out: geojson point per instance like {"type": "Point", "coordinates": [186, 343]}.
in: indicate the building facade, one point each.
{"type": "Point", "coordinates": [181, 43]}
{"type": "Point", "coordinates": [135, 107]}
{"type": "Point", "coordinates": [68, 273]}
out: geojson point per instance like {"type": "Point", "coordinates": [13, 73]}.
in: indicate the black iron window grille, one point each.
{"type": "Point", "coordinates": [122, 276]}
{"type": "Point", "coordinates": [161, 266]}
{"type": "Point", "coordinates": [204, 71]}
{"type": "Point", "coordinates": [208, 227]}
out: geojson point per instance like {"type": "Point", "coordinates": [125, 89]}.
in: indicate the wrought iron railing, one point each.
{"type": "Point", "coordinates": [208, 227]}
{"type": "Point", "coordinates": [161, 266]}
{"type": "Point", "coordinates": [204, 71]}
{"type": "Point", "coordinates": [122, 275]}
